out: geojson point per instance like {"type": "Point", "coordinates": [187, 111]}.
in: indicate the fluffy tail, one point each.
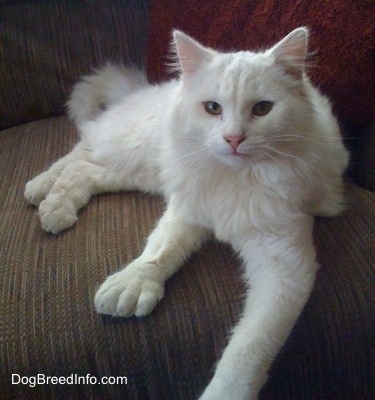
{"type": "Point", "coordinates": [104, 88]}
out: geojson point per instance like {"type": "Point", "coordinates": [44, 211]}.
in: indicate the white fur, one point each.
{"type": "Point", "coordinates": [101, 90]}
{"type": "Point", "coordinates": [261, 200]}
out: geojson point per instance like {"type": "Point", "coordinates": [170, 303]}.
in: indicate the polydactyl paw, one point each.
{"type": "Point", "coordinates": [134, 290]}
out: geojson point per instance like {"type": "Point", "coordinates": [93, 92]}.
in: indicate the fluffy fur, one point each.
{"type": "Point", "coordinates": [241, 145]}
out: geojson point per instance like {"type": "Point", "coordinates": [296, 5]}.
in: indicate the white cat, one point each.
{"type": "Point", "coordinates": [241, 145]}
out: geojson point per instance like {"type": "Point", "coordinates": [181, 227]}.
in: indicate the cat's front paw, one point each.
{"type": "Point", "coordinates": [134, 290]}
{"type": "Point", "coordinates": [224, 389]}
{"type": "Point", "coordinates": [37, 189]}
{"type": "Point", "coordinates": [57, 213]}
{"type": "Point", "coordinates": [216, 391]}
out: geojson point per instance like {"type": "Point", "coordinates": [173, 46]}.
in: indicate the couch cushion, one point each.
{"type": "Point", "coordinates": [47, 45]}
{"type": "Point", "coordinates": [49, 326]}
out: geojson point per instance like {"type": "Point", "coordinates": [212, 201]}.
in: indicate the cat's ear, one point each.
{"type": "Point", "coordinates": [291, 52]}
{"type": "Point", "coordinates": [189, 55]}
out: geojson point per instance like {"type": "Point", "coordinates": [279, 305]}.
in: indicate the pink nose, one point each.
{"type": "Point", "coordinates": [234, 140]}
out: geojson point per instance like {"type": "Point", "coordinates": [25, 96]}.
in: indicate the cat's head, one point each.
{"type": "Point", "coordinates": [243, 106]}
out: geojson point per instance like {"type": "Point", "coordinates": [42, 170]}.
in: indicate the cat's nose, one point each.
{"type": "Point", "coordinates": [234, 140]}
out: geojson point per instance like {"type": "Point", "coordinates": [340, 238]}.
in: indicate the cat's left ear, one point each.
{"type": "Point", "coordinates": [291, 52]}
{"type": "Point", "coordinates": [190, 55]}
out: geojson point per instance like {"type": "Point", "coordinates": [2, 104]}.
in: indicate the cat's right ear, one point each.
{"type": "Point", "coordinates": [188, 54]}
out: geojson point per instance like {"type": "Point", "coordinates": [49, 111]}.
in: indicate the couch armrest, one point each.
{"type": "Point", "coordinates": [46, 46]}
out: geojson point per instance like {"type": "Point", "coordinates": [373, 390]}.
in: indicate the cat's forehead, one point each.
{"type": "Point", "coordinates": [242, 63]}
{"type": "Point", "coordinates": [243, 71]}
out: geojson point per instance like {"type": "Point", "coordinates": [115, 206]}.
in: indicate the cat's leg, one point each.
{"type": "Point", "coordinates": [281, 270]}
{"type": "Point", "coordinates": [136, 289]}
{"type": "Point", "coordinates": [37, 188]}
{"type": "Point", "coordinates": [73, 189]}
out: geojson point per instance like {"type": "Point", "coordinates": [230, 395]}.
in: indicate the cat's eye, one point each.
{"type": "Point", "coordinates": [262, 108]}
{"type": "Point", "coordinates": [213, 108]}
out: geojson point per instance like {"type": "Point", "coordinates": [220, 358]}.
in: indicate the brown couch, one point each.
{"type": "Point", "coordinates": [48, 324]}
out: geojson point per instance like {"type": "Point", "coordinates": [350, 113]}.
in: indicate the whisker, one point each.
{"type": "Point", "coordinates": [291, 156]}
{"type": "Point", "coordinates": [338, 138]}
{"type": "Point", "coordinates": [194, 156]}
{"type": "Point", "coordinates": [274, 159]}
{"type": "Point", "coordinates": [301, 139]}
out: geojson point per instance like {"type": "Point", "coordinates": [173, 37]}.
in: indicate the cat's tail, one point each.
{"type": "Point", "coordinates": [104, 88]}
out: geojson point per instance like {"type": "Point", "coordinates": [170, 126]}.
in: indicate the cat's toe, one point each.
{"type": "Point", "coordinates": [107, 297]}
{"type": "Point", "coordinates": [128, 292]}
{"type": "Point", "coordinates": [37, 189]}
{"type": "Point", "coordinates": [56, 215]}
{"type": "Point", "coordinates": [147, 301]}
{"type": "Point", "coordinates": [34, 192]}
{"type": "Point", "coordinates": [32, 196]}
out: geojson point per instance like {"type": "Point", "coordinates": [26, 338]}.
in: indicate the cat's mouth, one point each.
{"type": "Point", "coordinates": [241, 159]}
{"type": "Point", "coordinates": [249, 153]}
{"type": "Point", "coordinates": [239, 155]}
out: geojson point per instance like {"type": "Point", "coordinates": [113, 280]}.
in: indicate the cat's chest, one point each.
{"type": "Point", "coordinates": [221, 206]}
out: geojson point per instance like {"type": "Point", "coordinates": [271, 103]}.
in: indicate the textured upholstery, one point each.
{"type": "Point", "coordinates": [48, 324]}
